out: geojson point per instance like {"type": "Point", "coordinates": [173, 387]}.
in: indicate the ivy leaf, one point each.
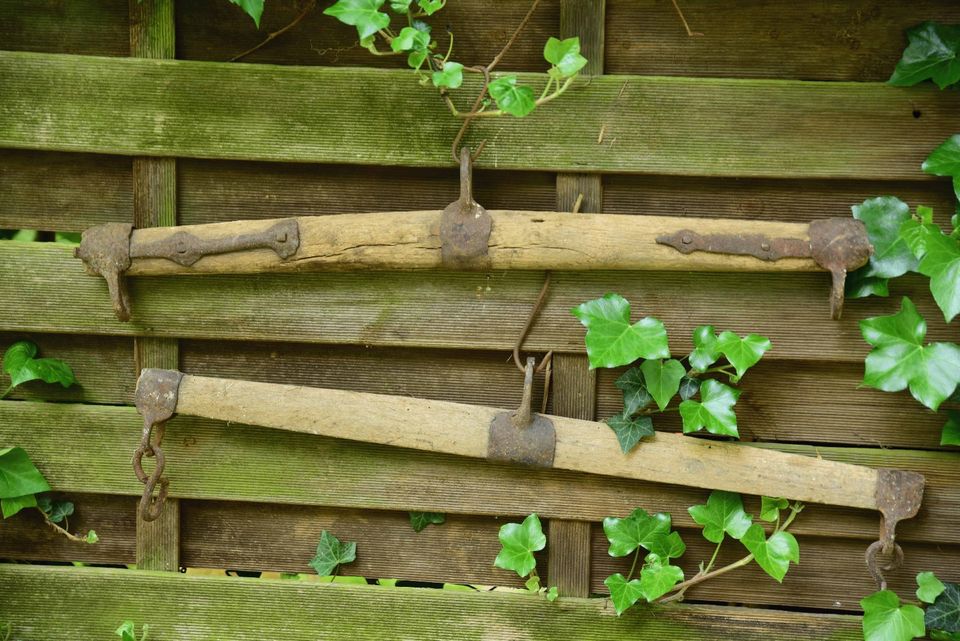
{"type": "Point", "coordinates": [253, 8]}
{"type": "Point", "coordinates": [12, 505]}
{"type": "Point", "coordinates": [689, 387]}
{"type": "Point", "coordinates": [127, 631]}
{"type": "Point", "coordinates": [859, 285]}
{"type": "Point", "coordinates": [430, 7]}
{"type": "Point", "coordinates": [92, 538]}
{"type": "Point", "coordinates": [945, 161]}
{"type": "Point", "coordinates": [743, 353]}
{"type": "Point", "coordinates": [637, 530]}
{"type": "Point", "coordinates": [770, 507]}
{"type": "Point", "coordinates": [516, 100]}
{"type": "Point", "coordinates": [941, 262]}
{"type": "Point", "coordinates": [400, 6]}
{"type": "Point", "coordinates": [552, 594]}
{"type": "Point", "coordinates": [929, 587]}
{"type": "Point", "coordinates": [611, 340]}
{"type": "Point", "coordinates": [629, 431]}
{"type": "Point", "coordinates": [635, 394]}
{"type": "Point", "coordinates": [420, 520]}
{"type": "Point", "coordinates": [331, 553]}
{"type": "Point", "coordinates": [714, 411]}
{"type": "Point", "coordinates": [362, 14]}
{"type": "Point", "coordinates": [657, 578]}
{"type": "Point", "coordinates": [18, 475]}
{"type": "Point", "coordinates": [705, 352]}
{"type": "Point", "coordinates": [900, 359]}
{"type": "Point", "coordinates": [565, 56]}
{"type": "Point", "coordinates": [951, 430]}
{"type": "Point", "coordinates": [20, 364]}
{"type": "Point", "coordinates": [944, 614]}
{"type": "Point", "coordinates": [520, 541]}
{"type": "Point", "coordinates": [933, 52]}
{"type": "Point", "coordinates": [56, 511]}
{"type": "Point", "coordinates": [773, 554]}
{"type": "Point", "coordinates": [410, 39]}
{"type": "Point", "coordinates": [662, 379]}
{"type": "Point", "coordinates": [884, 619]}
{"type": "Point", "coordinates": [883, 218]}
{"type": "Point", "coordinates": [723, 513]}
{"type": "Point", "coordinates": [532, 584]}
{"type": "Point", "coordinates": [623, 593]}
{"type": "Point", "coordinates": [940, 635]}
{"type": "Point", "coordinates": [664, 547]}
{"type": "Point", "coordinates": [451, 76]}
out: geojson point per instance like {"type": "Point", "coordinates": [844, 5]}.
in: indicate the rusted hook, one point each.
{"type": "Point", "coordinates": [465, 226]}
{"type": "Point", "coordinates": [156, 400]}
{"type": "Point", "coordinates": [899, 494]}
{"type": "Point", "coordinates": [522, 436]}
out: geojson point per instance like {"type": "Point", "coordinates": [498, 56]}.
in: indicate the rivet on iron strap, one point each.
{"type": "Point", "coordinates": [156, 400]}
{"type": "Point", "coordinates": [522, 436]}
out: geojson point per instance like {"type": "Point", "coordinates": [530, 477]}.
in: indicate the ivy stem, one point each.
{"type": "Point", "coordinates": [8, 628]}
{"type": "Point", "coordinates": [498, 112]}
{"type": "Point", "coordinates": [7, 392]}
{"type": "Point", "coordinates": [279, 32]}
{"type": "Point", "coordinates": [636, 557]}
{"type": "Point", "coordinates": [59, 530]}
{"type": "Point", "coordinates": [714, 557]}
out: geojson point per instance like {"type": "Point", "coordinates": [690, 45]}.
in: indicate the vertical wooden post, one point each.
{"type": "Point", "coordinates": [574, 383]}
{"type": "Point", "coordinates": [152, 30]}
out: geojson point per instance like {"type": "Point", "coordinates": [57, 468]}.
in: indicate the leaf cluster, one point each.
{"type": "Point", "coordinates": [655, 379]}
{"type": "Point", "coordinates": [886, 618]}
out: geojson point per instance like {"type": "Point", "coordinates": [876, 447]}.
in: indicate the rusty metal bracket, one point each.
{"type": "Point", "coordinates": [838, 245]}
{"type": "Point", "coordinates": [522, 436]}
{"type": "Point", "coordinates": [465, 226]}
{"type": "Point", "coordinates": [899, 494]}
{"type": "Point", "coordinates": [156, 400]}
{"type": "Point", "coordinates": [107, 250]}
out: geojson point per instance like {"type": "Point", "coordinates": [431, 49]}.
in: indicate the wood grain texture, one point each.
{"type": "Point", "coordinates": [570, 557]}
{"type": "Point", "coordinates": [574, 387]}
{"type": "Point", "coordinates": [89, 27]}
{"type": "Point", "coordinates": [214, 110]}
{"type": "Point", "coordinates": [404, 309]}
{"type": "Point", "coordinates": [214, 461]}
{"type": "Point", "coordinates": [245, 609]}
{"type": "Point", "coordinates": [832, 40]}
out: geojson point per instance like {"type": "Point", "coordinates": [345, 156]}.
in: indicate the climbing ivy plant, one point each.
{"type": "Point", "coordinates": [656, 379]}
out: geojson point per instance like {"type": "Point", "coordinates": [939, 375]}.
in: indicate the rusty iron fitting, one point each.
{"type": "Point", "coordinates": [899, 495]}
{"type": "Point", "coordinates": [156, 400]}
{"type": "Point", "coordinates": [105, 251]}
{"type": "Point", "coordinates": [522, 436]}
{"type": "Point", "coordinates": [465, 226]}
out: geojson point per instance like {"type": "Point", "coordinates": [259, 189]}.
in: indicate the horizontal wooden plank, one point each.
{"type": "Point", "coordinates": [91, 602]}
{"type": "Point", "coordinates": [88, 27]}
{"type": "Point", "coordinates": [103, 366]}
{"type": "Point", "coordinates": [211, 460]}
{"type": "Point", "coordinates": [830, 40]}
{"type": "Point", "coordinates": [214, 110]}
{"type": "Point", "coordinates": [831, 575]}
{"type": "Point", "coordinates": [218, 32]}
{"type": "Point", "coordinates": [406, 309]}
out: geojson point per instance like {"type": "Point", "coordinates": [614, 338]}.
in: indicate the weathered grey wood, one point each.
{"type": "Point", "coordinates": [214, 110]}
{"type": "Point", "coordinates": [91, 27]}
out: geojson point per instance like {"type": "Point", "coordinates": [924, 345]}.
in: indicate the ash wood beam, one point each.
{"type": "Point", "coordinates": [652, 125]}
{"type": "Point", "coordinates": [153, 35]}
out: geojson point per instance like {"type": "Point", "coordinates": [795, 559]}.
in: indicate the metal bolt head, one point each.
{"type": "Point", "coordinates": [686, 240]}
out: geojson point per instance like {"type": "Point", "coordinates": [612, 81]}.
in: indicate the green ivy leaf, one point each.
{"type": "Point", "coordinates": [611, 340]}
{"type": "Point", "coordinates": [714, 411]}
{"type": "Point", "coordinates": [951, 430]}
{"type": "Point", "coordinates": [773, 554]}
{"type": "Point", "coordinates": [884, 619]}
{"type": "Point", "coordinates": [623, 593]}
{"type": "Point", "coordinates": [362, 14]}
{"type": "Point", "coordinates": [689, 387]}
{"type": "Point", "coordinates": [770, 507]}
{"type": "Point", "coordinates": [929, 587]}
{"type": "Point", "coordinates": [533, 584]}
{"type": "Point", "coordinates": [944, 613]}
{"type": "Point", "coordinates": [662, 379]}
{"type": "Point", "coordinates": [860, 285]}
{"type": "Point", "coordinates": [657, 578]}
{"type": "Point", "coordinates": [933, 52]}
{"type": "Point", "coordinates": [664, 547]}
{"type": "Point", "coordinates": [420, 520]}
{"type": "Point", "coordinates": [743, 353]}
{"type": "Point", "coordinates": [940, 635]}
{"type": "Point", "coordinates": [637, 530]}
{"type": "Point", "coordinates": [400, 6]}
{"type": "Point", "coordinates": [722, 514]}
{"type": "Point", "coordinates": [635, 394]}
{"type": "Point", "coordinates": [410, 39]}
{"type": "Point", "coordinates": [516, 100]}
{"type": "Point", "coordinates": [18, 475]}
{"type": "Point", "coordinates": [705, 352]}
{"type": "Point", "coordinates": [451, 76]}
{"type": "Point", "coordinates": [430, 7]}
{"type": "Point", "coordinates": [552, 594]}
{"type": "Point", "coordinates": [519, 541]}
{"type": "Point", "coordinates": [20, 364]}
{"type": "Point", "coordinates": [92, 538]}
{"type": "Point", "coordinates": [127, 631]}
{"type": "Point", "coordinates": [565, 56]}
{"type": "Point", "coordinates": [10, 506]}
{"type": "Point", "coordinates": [900, 359]}
{"type": "Point", "coordinates": [883, 218]}
{"type": "Point", "coordinates": [253, 8]}
{"type": "Point", "coordinates": [331, 553]}
{"type": "Point", "coordinates": [629, 430]}
{"type": "Point", "coordinates": [56, 511]}
{"type": "Point", "coordinates": [940, 260]}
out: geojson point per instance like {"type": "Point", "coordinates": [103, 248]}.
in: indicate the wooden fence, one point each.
{"type": "Point", "coordinates": [117, 112]}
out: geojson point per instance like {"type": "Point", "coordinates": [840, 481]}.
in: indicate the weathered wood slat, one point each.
{"type": "Point", "coordinates": [832, 40]}
{"type": "Point", "coordinates": [91, 602]}
{"type": "Point", "coordinates": [214, 110]}
{"type": "Point", "coordinates": [406, 309]}
{"type": "Point", "coordinates": [90, 27]}
{"type": "Point", "coordinates": [211, 460]}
